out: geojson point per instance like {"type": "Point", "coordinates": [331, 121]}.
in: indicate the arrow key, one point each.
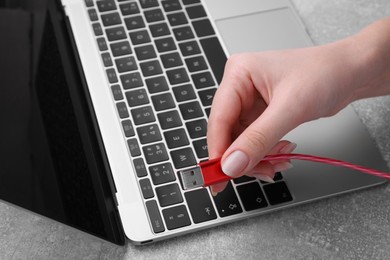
{"type": "Point", "coordinates": [251, 196]}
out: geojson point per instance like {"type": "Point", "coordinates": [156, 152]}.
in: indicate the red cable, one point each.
{"type": "Point", "coordinates": [330, 161]}
{"type": "Point", "coordinates": [212, 172]}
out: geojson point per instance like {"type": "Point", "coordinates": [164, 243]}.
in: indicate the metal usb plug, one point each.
{"type": "Point", "coordinates": [192, 178]}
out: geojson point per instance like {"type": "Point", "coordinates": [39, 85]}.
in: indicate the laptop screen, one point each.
{"type": "Point", "coordinates": [47, 165]}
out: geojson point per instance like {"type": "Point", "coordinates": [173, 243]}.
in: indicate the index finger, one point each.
{"type": "Point", "coordinates": [225, 111]}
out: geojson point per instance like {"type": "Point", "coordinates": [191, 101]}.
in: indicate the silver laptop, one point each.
{"type": "Point", "coordinates": [152, 68]}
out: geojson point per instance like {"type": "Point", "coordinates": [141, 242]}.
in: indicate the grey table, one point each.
{"type": "Point", "coordinates": [352, 226]}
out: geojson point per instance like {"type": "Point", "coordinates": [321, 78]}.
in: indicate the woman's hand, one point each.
{"type": "Point", "coordinates": [265, 95]}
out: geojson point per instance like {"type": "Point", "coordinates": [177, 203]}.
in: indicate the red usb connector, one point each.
{"type": "Point", "coordinates": [210, 172]}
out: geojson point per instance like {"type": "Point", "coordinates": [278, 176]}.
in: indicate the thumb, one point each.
{"type": "Point", "coordinates": [257, 140]}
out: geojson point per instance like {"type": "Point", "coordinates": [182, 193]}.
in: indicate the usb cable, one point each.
{"type": "Point", "coordinates": [210, 172]}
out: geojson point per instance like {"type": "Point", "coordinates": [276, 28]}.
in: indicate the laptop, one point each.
{"type": "Point", "coordinates": [139, 78]}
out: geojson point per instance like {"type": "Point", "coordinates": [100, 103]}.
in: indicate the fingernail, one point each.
{"type": "Point", "coordinates": [282, 166]}
{"type": "Point", "coordinates": [235, 163]}
{"type": "Point", "coordinates": [288, 148]}
{"type": "Point", "coordinates": [214, 193]}
{"type": "Point", "coordinates": [263, 177]}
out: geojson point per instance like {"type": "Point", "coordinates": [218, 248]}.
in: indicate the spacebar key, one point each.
{"type": "Point", "coordinates": [215, 56]}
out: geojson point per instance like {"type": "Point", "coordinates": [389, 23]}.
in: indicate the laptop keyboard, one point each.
{"type": "Point", "coordinates": [164, 62]}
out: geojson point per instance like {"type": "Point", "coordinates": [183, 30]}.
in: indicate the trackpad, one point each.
{"type": "Point", "coordinates": [268, 30]}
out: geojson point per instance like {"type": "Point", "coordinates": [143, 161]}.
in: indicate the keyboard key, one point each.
{"type": "Point", "coordinates": [116, 33]}
{"type": "Point", "coordinates": [102, 44]}
{"type": "Point", "coordinates": [171, 5]}
{"type": "Point", "coordinates": [93, 15]}
{"type": "Point", "coordinates": [208, 110]}
{"type": "Point", "coordinates": [251, 196]}
{"type": "Point", "coordinates": [107, 61]}
{"type": "Point", "coordinates": [128, 128]}
{"type": "Point", "coordinates": [154, 15]}
{"type": "Point", "coordinates": [200, 205]}
{"type": "Point", "coordinates": [189, 48]}
{"type": "Point", "coordinates": [184, 93]}
{"type": "Point", "coordinates": [111, 19]}
{"type": "Point", "coordinates": [111, 75]}
{"type": "Point", "coordinates": [176, 138]}
{"type": "Point", "coordinates": [169, 194]}
{"type": "Point", "coordinates": [188, 2]}
{"type": "Point", "coordinates": [278, 176]}
{"type": "Point", "coordinates": [197, 128]}
{"type": "Point", "coordinates": [160, 29]}
{"type": "Point", "coordinates": [203, 80]}
{"type": "Point", "coordinates": [183, 33]}
{"type": "Point", "coordinates": [143, 115]}
{"type": "Point", "coordinates": [196, 63]}
{"type": "Point", "coordinates": [177, 76]}
{"type": "Point", "coordinates": [207, 96]}
{"type": "Point", "coordinates": [88, 3]}
{"type": "Point", "coordinates": [137, 97]}
{"type": "Point", "coordinates": [155, 153]}
{"type": "Point", "coordinates": [151, 68]}
{"type": "Point", "coordinates": [277, 193]}
{"type": "Point", "coordinates": [148, 3]}
{"type": "Point", "coordinates": [131, 80]}
{"type": "Point", "coordinates": [154, 216]}
{"type": "Point", "coordinates": [163, 101]}
{"type": "Point", "coordinates": [120, 48]}
{"type": "Point", "coordinates": [140, 168]}
{"type": "Point", "coordinates": [227, 202]}
{"type": "Point", "coordinates": [139, 37]}
{"type": "Point", "coordinates": [215, 56]}
{"type": "Point", "coordinates": [126, 64]}
{"type": "Point", "coordinates": [122, 110]}
{"type": "Point", "coordinates": [129, 8]}
{"type": "Point", "coordinates": [201, 148]}
{"type": "Point", "coordinates": [165, 44]}
{"type": "Point", "coordinates": [134, 22]}
{"type": "Point", "coordinates": [196, 11]}
{"type": "Point", "coordinates": [176, 217]}
{"type": "Point", "coordinates": [97, 29]}
{"type": "Point", "coordinates": [169, 119]}
{"type": "Point", "coordinates": [146, 188]}
{"type": "Point", "coordinates": [243, 179]}
{"type": "Point", "coordinates": [145, 52]}
{"type": "Point", "coordinates": [117, 92]}
{"type": "Point", "coordinates": [176, 19]}
{"type": "Point", "coordinates": [156, 84]}
{"type": "Point", "coordinates": [183, 158]}
{"type": "Point", "coordinates": [106, 5]}
{"type": "Point", "coordinates": [171, 60]}
{"type": "Point", "coordinates": [162, 173]}
{"type": "Point", "coordinates": [203, 27]}
{"type": "Point", "coordinates": [191, 110]}
{"type": "Point", "coordinates": [133, 147]}
{"type": "Point", "coordinates": [149, 134]}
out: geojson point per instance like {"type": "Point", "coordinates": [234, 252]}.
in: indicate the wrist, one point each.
{"type": "Point", "coordinates": [369, 58]}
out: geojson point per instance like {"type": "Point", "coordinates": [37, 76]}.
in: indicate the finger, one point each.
{"type": "Point", "coordinates": [257, 140]}
{"type": "Point", "coordinates": [218, 187]}
{"type": "Point", "coordinates": [264, 170]}
{"type": "Point", "coordinates": [282, 147]}
{"type": "Point", "coordinates": [226, 109]}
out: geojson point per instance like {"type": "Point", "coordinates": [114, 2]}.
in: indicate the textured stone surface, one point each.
{"type": "Point", "coordinates": [352, 226]}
